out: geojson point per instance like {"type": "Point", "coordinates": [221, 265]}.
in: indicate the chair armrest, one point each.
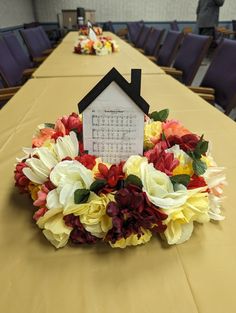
{"type": "Point", "coordinates": [203, 90]}
{"type": "Point", "coordinates": [39, 60]}
{"type": "Point", "coordinates": [47, 52]}
{"type": "Point", "coordinates": [140, 50]}
{"type": "Point", "coordinates": [172, 71]}
{"type": "Point", "coordinates": [152, 58]}
{"type": "Point", "coordinates": [6, 96]}
{"type": "Point", "coordinates": [10, 90]}
{"type": "Point", "coordinates": [208, 97]}
{"type": "Point", "coordinates": [28, 72]}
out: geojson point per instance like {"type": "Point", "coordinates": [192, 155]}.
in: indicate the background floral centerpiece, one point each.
{"type": "Point", "coordinates": [84, 30]}
{"type": "Point", "coordinates": [99, 46]}
{"type": "Point", "coordinates": [79, 198]}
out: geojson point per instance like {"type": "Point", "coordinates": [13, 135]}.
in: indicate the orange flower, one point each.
{"type": "Point", "coordinates": [44, 134]}
{"type": "Point", "coordinates": [174, 128]}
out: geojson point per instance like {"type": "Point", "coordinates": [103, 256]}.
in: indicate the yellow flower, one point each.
{"type": "Point", "coordinates": [54, 227]}
{"type": "Point", "coordinates": [33, 189]}
{"type": "Point", "coordinates": [183, 169]}
{"type": "Point", "coordinates": [133, 240]}
{"type": "Point", "coordinates": [132, 165]}
{"type": "Point", "coordinates": [152, 130]}
{"type": "Point", "coordinates": [180, 220]}
{"type": "Point", "coordinates": [185, 162]}
{"type": "Point", "coordinates": [93, 214]}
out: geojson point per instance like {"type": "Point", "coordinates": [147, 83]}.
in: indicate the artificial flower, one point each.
{"type": "Point", "coordinates": [180, 219]}
{"type": "Point", "coordinates": [54, 227]}
{"type": "Point", "coordinates": [132, 165]}
{"type": "Point", "coordinates": [159, 188]}
{"type": "Point", "coordinates": [152, 133]}
{"type": "Point", "coordinates": [38, 167]}
{"type": "Point", "coordinates": [93, 214]}
{"type": "Point", "coordinates": [132, 240]}
{"type": "Point", "coordinates": [69, 176]}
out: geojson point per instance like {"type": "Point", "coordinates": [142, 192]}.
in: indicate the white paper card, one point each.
{"type": "Point", "coordinates": [113, 126]}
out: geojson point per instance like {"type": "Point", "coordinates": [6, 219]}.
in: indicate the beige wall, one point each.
{"type": "Point", "coordinates": [128, 10]}
{"type": "Point", "coordinates": [15, 12]}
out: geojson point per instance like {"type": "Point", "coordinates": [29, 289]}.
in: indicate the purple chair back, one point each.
{"type": "Point", "coordinates": [174, 25]}
{"type": "Point", "coordinates": [190, 55]}
{"type": "Point", "coordinates": [134, 29]}
{"type": "Point", "coordinates": [45, 37]}
{"type": "Point", "coordinates": [34, 41]}
{"type": "Point", "coordinates": [234, 25]}
{"type": "Point", "coordinates": [153, 42]}
{"type": "Point", "coordinates": [10, 71]}
{"type": "Point", "coordinates": [142, 38]}
{"type": "Point", "coordinates": [221, 75]}
{"type": "Point", "coordinates": [110, 27]}
{"type": "Point", "coordinates": [169, 49]}
{"type": "Point", "coordinates": [17, 50]}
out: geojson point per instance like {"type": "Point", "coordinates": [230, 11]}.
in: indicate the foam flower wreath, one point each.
{"type": "Point", "coordinates": [78, 198]}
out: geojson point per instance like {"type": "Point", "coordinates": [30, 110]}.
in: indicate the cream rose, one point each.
{"type": "Point", "coordinates": [132, 165]}
{"type": "Point", "coordinates": [180, 220]}
{"type": "Point", "coordinates": [93, 214]}
{"type": "Point", "coordinates": [69, 176]}
{"type": "Point", "coordinates": [54, 228]}
{"type": "Point", "coordinates": [159, 188]}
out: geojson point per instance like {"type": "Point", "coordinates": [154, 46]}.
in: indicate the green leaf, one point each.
{"type": "Point", "coordinates": [163, 136]}
{"type": "Point", "coordinates": [199, 167]}
{"type": "Point", "coordinates": [81, 196]}
{"type": "Point", "coordinates": [98, 185]}
{"type": "Point", "coordinates": [201, 148]}
{"type": "Point", "coordinates": [180, 179]}
{"type": "Point", "coordinates": [204, 147]}
{"type": "Point", "coordinates": [160, 116]}
{"type": "Point", "coordinates": [49, 125]}
{"type": "Point", "coordinates": [134, 180]}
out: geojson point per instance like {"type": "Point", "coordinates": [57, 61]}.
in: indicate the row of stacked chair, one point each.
{"type": "Point", "coordinates": [16, 66]}
{"type": "Point", "coordinates": [181, 54]}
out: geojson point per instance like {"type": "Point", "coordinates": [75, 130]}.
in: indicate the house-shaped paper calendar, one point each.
{"type": "Point", "coordinates": [113, 117]}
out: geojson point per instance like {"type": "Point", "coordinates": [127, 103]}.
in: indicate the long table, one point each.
{"type": "Point", "coordinates": [198, 276]}
{"type": "Point", "coordinates": [64, 63]}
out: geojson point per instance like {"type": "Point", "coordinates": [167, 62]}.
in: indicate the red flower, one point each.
{"type": "Point", "coordinates": [72, 122]}
{"type": "Point", "coordinates": [87, 160]}
{"type": "Point", "coordinates": [66, 124]}
{"type": "Point", "coordinates": [196, 182]}
{"type": "Point", "coordinates": [112, 175]}
{"type": "Point", "coordinates": [131, 212]}
{"type": "Point", "coordinates": [79, 235]}
{"type": "Point", "coordinates": [162, 160]}
{"type": "Point", "coordinates": [39, 213]}
{"type": "Point", "coordinates": [186, 142]}
{"type": "Point", "coordinates": [21, 181]}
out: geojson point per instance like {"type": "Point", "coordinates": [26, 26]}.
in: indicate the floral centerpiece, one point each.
{"type": "Point", "coordinates": [84, 30]}
{"type": "Point", "coordinates": [79, 198]}
{"type": "Point", "coordinates": [100, 46]}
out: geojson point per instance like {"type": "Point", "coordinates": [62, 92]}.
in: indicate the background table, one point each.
{"type": "Point", "coordinates": [198, 276]}
{"type": "Point", "coordinates": [64, 63]}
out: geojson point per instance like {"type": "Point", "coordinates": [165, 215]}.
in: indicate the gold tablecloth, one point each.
{"type": "Point", "coordinates": [198, 276]}
{"type": "Point", "coordinates": [63, 62]}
